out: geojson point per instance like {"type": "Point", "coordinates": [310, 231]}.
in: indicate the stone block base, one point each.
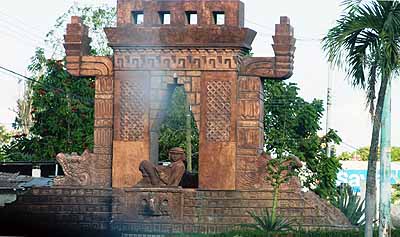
{"type": "Point", "coordinates": [159, 210]}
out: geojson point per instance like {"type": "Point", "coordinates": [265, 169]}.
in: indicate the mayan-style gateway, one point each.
{"type": "Point", "coordinates": [158, 45]}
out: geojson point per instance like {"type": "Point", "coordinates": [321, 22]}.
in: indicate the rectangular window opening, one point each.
{"type": "Point", "coordinates": [137, 17]}
{"type": "Point", "coordinates": [191, 17]}
{"type": "Point", "coordinates": [219, 18]}
{"type": "Point", "coordinates": [165, 18]}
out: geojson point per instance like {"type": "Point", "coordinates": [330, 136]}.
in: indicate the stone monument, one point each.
{"type": "Point", "coordinates": [209, 57]}
{"type": "Point", "coordinates": [203, 46]}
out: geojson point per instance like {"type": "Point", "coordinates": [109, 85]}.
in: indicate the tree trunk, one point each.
{"type": "Point", "coordinates": [370, 196]}
{"type": "Point", "coordinates": [385, 157]}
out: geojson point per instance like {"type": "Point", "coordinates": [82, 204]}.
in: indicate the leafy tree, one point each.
{"type": "Point", "coordinates": [60, 106]}
{"type": "Point", "coordinates": [23, 121]}
{"type": "Point", "coordinates": [172, 130]}
{"type": "Point", "coordinates": [96, 18]}
{"type": "Point", "coordinates": [62, 112]}
{"type": "Point", "coordinates": [346, 155]}
{"type": "Point", "coordinates": [396, 194]}
{"type": "Point", "coordinates": [291, 125]}
{"type": "Point", "coordinates": [363, 153]}
{"type": "Point", "coordinates": [5, 137]}
{"type": "Point", "coordinates": [366, 39]}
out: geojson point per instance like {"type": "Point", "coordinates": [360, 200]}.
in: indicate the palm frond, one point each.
{"type": "Point", "coordinates": [366, 39]}
{"type": "Point", "coordinates": [371, 89]}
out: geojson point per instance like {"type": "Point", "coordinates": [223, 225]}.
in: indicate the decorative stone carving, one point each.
{"type": "Point", "coordinates": [153, 205]}
{"type": "Point", "coordinates": [182, 59]}
{"type": "Point", "coordinates": [78, 170]}
{"type": "Point", "coordinates": [133, 85]}
{"type": "Point", "coordinates": [132, 110]}
{"type": "Point", "coordinates": [280, 66]}
{"type": "Point", "coordinates": [79, 63]}
{"type": "Point", "coordinates": [218, 114]}
{"type": "Point", "coordinates": [158, 175]}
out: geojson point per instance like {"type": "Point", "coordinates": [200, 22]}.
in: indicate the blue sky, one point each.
{"type": "Point", "coordinates": [23, 25]}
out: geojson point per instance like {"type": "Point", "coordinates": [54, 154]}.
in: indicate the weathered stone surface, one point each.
{"type": "Point", "coordinates": [160, 175]}
{"type": "Point", "coordinates": [233, 9]}
{"type": "Point", "coordinates": [82, 171]}
{"type": "Point", "coordinates": [224, 88]}
{"type": "Point", "coordinates": [280, 66]}
{"type": "Point", "coordinates": [132, 91]}
{"type": "Point", "coordinates": [162, 210]}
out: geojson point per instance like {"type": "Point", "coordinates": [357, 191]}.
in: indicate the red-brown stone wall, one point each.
{"type": "Point", "coordinates": [234, 11]}
{"type": "Point", "coordinates": [174, 210]}
{"type": "Point", "coordinates": [217, 162]}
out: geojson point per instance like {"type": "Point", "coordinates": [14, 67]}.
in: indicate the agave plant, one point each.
{"type": "Point", "coordinates": [350, 204]}
{"type": "Point", "coordinates": [266, 222]}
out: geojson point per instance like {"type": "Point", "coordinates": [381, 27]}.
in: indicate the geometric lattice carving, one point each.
{"type": "Point", "coordinates": [132, 110]}
{"type": "Point", "coordinates": [218, 114]}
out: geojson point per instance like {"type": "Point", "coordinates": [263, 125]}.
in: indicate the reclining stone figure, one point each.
{"type": "Point", "coordinates": [158, 175]}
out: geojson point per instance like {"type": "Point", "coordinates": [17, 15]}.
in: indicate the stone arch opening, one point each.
{"type": "Point", "coordinates": [173, 107]}
{"type": "Point", "coordinates": [175, 126]}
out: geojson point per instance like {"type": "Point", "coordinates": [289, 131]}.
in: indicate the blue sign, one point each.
{"type": "Point", "coordinates": [356, 177]}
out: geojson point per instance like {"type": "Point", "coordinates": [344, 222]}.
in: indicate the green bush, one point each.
{"type": "Point", "coordinates": [350, 204]}
{"type": "Point", "coordinates": [267, 222]}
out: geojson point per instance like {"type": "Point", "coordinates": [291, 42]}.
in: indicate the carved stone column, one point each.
{"type": "Point", "coordinates": [99, 163]}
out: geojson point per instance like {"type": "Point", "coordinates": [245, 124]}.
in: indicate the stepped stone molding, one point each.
{"type": "Point", "coordinates": [177, 59]}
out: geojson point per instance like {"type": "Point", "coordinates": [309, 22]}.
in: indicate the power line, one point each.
{"type": "Point", "coordinates": [19, 20]}
{"type": "Point", "coordinates": [350, 146]}
{"type": "Point", "coordinates": [24, 36]}
{"type": "Point", "coordinates": [23, 27]}
{"type": "Point", "coordinates": [260, 25]}
{"type": "Point", "coordinates": [55, 89]}
{"type": "Point", "coordinates": [19, 37]}
{"type": "Point", "coordinates": [269, 34]}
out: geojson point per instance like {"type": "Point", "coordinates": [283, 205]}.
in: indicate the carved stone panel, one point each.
{"type": "Point", "coordinates": [159, 205]}
{"type": "Point", "coordinates": [132, 110]}
{"type": "Point", "coordinates": [218, 113]}
{"type": "Point", "coordinates": [182, 59]}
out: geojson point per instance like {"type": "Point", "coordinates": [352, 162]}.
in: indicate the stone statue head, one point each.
{"type": "Point", "coordinates": [177, 154]}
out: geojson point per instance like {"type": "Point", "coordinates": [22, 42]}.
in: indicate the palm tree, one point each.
{"type": "Point", "coordinates": [366, 39]}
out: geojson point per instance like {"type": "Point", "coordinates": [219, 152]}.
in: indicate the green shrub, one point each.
{"type": "Point", "coordinates": [350, 204]}
{"type": "Point", "coordinates": [267, 222]}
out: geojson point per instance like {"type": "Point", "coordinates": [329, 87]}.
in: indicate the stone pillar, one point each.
{"type": "Point", "coordinates": [217, 163]}
{"type": "Point", "coordinates": [250, 133]}
{"type": "Point", "coordinates": [131, 126]}
{"type": "Point", "coordinates": [103, 128]}
{"type": "Point", "coordinates": [79, 64]}
{"type": "Point", "coordinates": [77, 44]}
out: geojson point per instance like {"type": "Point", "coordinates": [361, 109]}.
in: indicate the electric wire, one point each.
{"type": "Point", "coordinates": [18, 37]}
{"type": "Point", "coordinates": [52, 88]}
{"type": "Point", "coordinates": [20, 20]}
{"type": "Point", "coordinates": [23, 28]}
{"type": "Point", "coordinates": [269, 34]}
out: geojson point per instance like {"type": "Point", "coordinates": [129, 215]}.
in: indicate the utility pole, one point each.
{"type": "Point", "coordinates": [188, 136]}
{"type": "Point", "coordinates": [385, 159]}
{"type": "Point", "coordinates": [329, 108]}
